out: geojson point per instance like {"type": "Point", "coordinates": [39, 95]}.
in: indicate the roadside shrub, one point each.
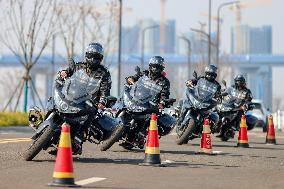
{"type": "Point", "coordinates": [13, 119]}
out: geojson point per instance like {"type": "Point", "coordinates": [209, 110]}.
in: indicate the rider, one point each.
{"type": "Point", "coordinates": [210, 76]}
{"type": "Point", "coordinates": [240, 86]}
{"type": "Point", "coordinates": [155, 73]}
{"type": "Point", "coordinates": [242, 93]}
{"type": "Point", "coordinates": [208, 82]}
{"type": "Point", "coordinates": [92, 66]}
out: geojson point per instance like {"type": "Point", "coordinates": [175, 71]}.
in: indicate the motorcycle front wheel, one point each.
{"type": "Point", "coordinates": [183, 137]}
{"type": "Point", "coordinates": [38, 144]}
{"type": "Point", "coordinates": [115, 136]}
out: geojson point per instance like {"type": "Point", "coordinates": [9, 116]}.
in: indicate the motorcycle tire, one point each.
{"type": "Point", "coordinates": [115, 136]}
{"type": "Point", "coordinates": [225, 138]}
{"type": "Point", "coordinates": [38, 144]}
{"type": "Point", "coordinates": [187, 132]}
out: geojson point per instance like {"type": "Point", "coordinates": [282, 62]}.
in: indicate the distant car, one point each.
{"type": "Point", "coordinates": [261, 113]}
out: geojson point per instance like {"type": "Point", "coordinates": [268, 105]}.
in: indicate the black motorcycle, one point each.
{"type": "Point", "coordinates": [230, 111]}
{"type": "Point", "coordinates": [194, 109]}
{"type": "Point", "coordinates": [71, 103]}
{"type": "Point", "coordinates": [135, 108]}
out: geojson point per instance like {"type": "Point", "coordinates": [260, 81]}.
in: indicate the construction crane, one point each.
{"type": "Point", "coordinates": [162, 26]}
{"type": "Point", "coordinates": [237, 8]}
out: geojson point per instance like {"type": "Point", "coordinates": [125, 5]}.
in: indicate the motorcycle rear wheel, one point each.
{"type": "Point", "coordinates": [186, 133]}
{"type": "Point", "coordinates": [115, 136]}
{"type": "Point", "coordinates": [38, 144]}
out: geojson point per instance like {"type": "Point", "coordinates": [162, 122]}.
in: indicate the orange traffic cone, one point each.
{"type": "Point", "coordinates": [243, 136]}
{"type": "Point", "coordinates": [63, 169]}
{"type": "Point", "coordinates": [152, 150]}
{"type": "Point", "coordinates": [270, 136]}
{"type": "Point", "coordinates": [205, 142]}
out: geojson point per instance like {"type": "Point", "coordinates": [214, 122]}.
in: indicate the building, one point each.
{"type": "Point", "coordinates": [130, 40]}
{"type": "Point", "coordinates": [152, 37]}
{"type": "Point", "coordinates": [253, 40]}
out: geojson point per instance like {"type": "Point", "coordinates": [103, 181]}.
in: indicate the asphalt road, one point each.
{"type": "Point", "coordinates": [260, 166]}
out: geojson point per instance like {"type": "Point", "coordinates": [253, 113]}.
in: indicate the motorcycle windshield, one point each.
{"type": "Point", "coordinates": [80, 87]}
{"type": "Point", "coordinates": [144, 90]}
{"type": "Point", "coordinates": [204, 91]}
{"type": "Point", "coordinates": [231, 99]}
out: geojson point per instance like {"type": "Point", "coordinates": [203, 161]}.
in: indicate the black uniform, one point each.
{"type": "Point", "coordinates": [161, 81]}
{"type": "Point", "coordinates": [100, 72]}
{"type": "Point", "coordinates": [246, 94]}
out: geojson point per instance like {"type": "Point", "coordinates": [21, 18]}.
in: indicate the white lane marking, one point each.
{"type": "Point", "coordinates": [89, 180]}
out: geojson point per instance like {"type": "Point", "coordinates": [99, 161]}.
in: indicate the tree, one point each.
{"type": "Point", "coordinates": [86, 20]}
{"type": "Point", "coordinates": [29, 25]}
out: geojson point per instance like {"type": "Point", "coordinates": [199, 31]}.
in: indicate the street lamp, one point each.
{"type": "Point", "coordinates": [142, 42]}
{"type": "Point", "coordinates": [209, 33]}
{"type": "Point", "coordinates": [188, 54]}
{"type": "Point", "coordinates": [218, 27]}
{"type": "Point", "coordinates": [119, 47]}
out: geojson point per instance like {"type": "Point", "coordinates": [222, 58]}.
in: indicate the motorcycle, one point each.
{"type": "Point", "coordinates": [134, 108]}
{"type": "Point", "coordinates": [230, 111]}
{"type": "Point", "coordinates": [71, 103]}
{"type": "Point", "coordinates": [194, 108]}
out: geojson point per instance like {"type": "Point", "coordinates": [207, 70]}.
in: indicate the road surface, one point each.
{"type": "Point", "coordinates": [260, 166]}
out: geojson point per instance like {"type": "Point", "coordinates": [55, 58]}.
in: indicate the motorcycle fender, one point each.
{"type": "Point", "coordinates": [46, 123]}
{"type": "Point", "coordinates": [187, 117]}
{"type": "Point", "coordinates": [108, 123]}
{"type": "Point", "coordinates": [214, 117]}
{"type": "Point", "coordinates": [167, 122]}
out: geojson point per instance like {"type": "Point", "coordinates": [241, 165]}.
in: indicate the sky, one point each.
{"type": "Point", "coordinates": [188, 13]}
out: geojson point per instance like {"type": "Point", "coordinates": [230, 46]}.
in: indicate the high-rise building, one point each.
{"type": "Point", "coordinates": [130, 40]}
{"type": "Point", "coordinates": [170, 36]}
{"type": "Point", "coordinates": [152, 37]}
{"type": "Point", "coordinates": [199, 44]}
{"type": "Point", "coordinates": [132, 36]}
{"type": "Point", "coordinates": [253, 40]}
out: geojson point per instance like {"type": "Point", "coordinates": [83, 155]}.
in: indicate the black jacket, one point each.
{"type": "Point", "coordinates": [161, 81]}
{"type": "Point", "coordinates": [100, 72]}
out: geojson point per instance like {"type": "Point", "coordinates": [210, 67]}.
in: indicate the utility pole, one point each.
{"type": "Point", "coordinates": [218, 27]}
{"type": "Point", "coordinates": [119, 47]}
{"type": "Point", "coordinates": [209, 33]}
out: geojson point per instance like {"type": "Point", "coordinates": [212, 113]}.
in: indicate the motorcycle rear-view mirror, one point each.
{"type": "Point", "coordinates": [194, 74]}
{"type": "Point", "coordinates": [224, 83]}
{"type": "Point", "coordinates": [137, 69]}
{"type": "Point", "coordinates": [71, 63]}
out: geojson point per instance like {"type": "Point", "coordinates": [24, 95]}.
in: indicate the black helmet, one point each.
{"type": "Point", "coordinates": [156, 65]}
{"type": "Point", "coordinates": [240, 81]}
{"type": "Point", "coordinates": [211, 72]}
{"type": "Point", "coordinates": [94, 54]}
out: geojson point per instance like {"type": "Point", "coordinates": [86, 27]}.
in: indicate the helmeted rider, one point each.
{"type": "Point", "coordinates": [243, 94]}
{"type": "Point", "coordinates": [92, 66]}
{"type": "Point", "coordinates": [207, 82]}
{"type": "Point", "coordinates": [241, 86]}
{"type": "Point", "coordinates": [156, 73]}
{"type": "Point", "coordinates": [210, 76]}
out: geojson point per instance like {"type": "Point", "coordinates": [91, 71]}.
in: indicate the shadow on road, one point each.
{"type": "Point", "coordinates": [105, 160]}
{"type": "Point", "coordinates": [178, 152]}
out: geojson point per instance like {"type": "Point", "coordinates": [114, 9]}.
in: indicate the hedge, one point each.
{"type": "Point", "coordinates": [13, 119]}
